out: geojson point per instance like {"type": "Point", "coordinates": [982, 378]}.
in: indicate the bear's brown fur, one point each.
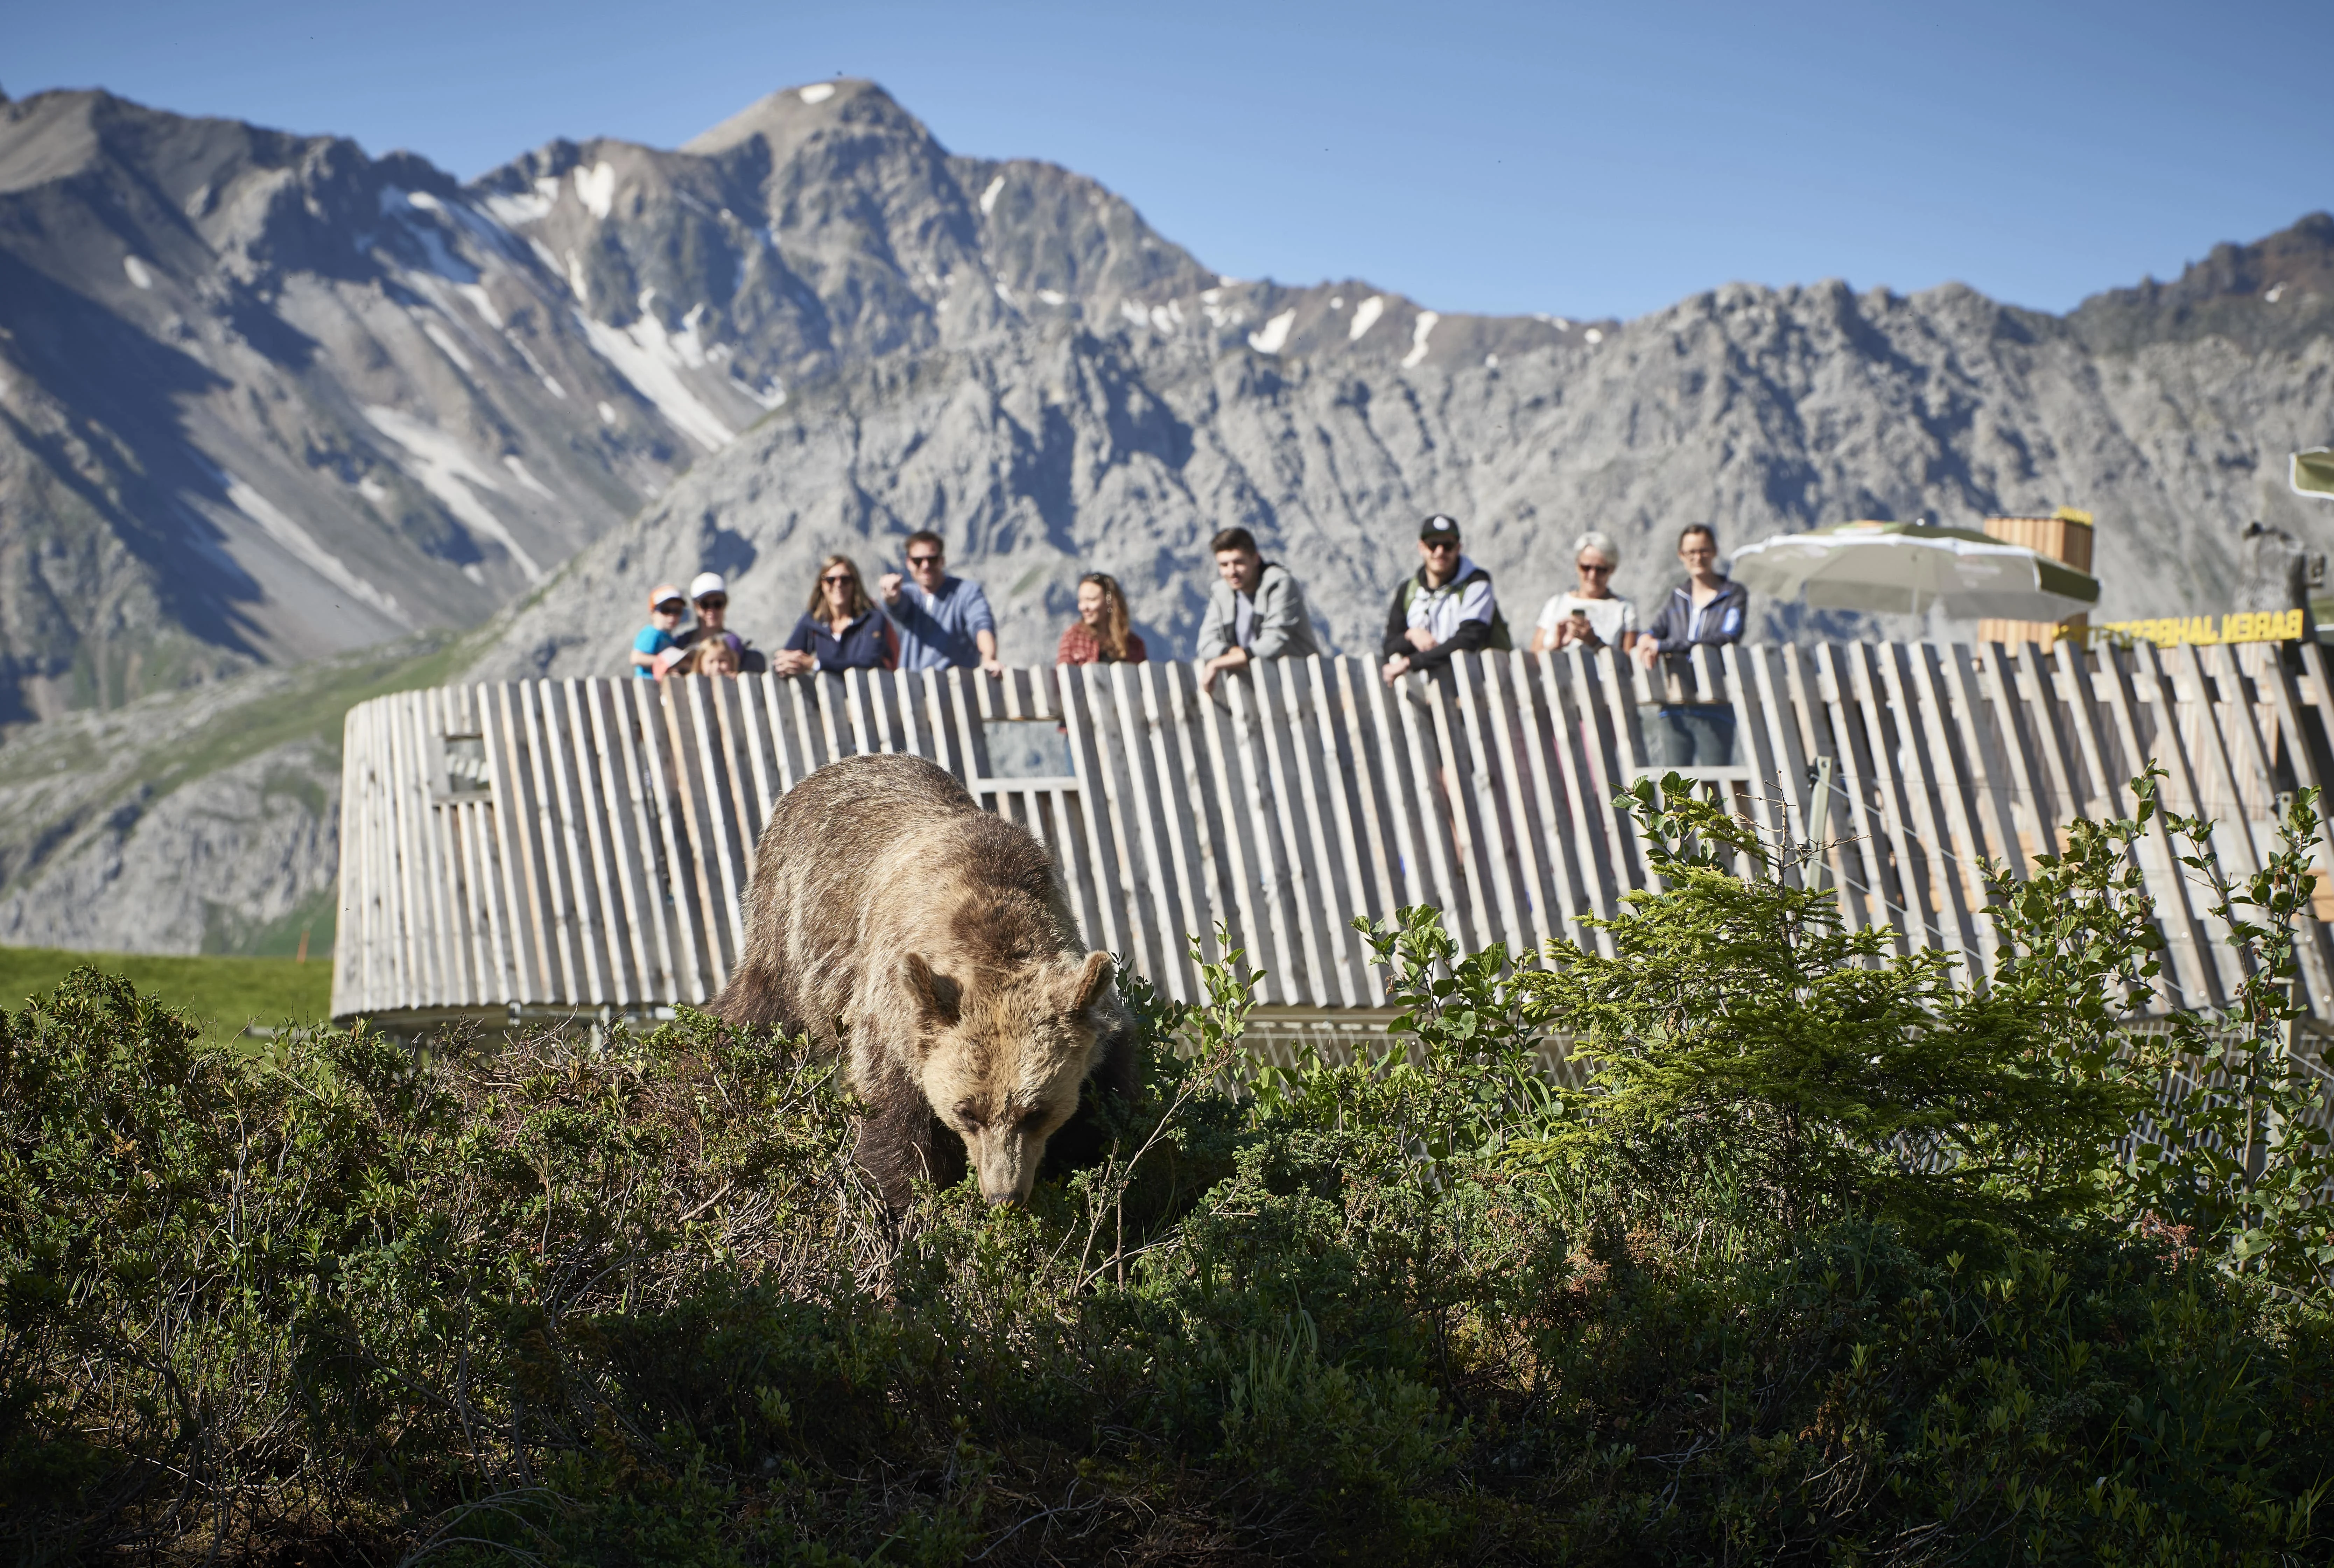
{"type": "Point", "coordinates": [892, 919]}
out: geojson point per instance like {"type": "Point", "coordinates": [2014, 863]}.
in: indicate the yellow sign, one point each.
{"type": "Point", "coordinates": [2206, 630]}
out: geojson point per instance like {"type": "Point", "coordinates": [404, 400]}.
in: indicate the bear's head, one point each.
{"type": "Point", "coordinates": [1002, 1054]}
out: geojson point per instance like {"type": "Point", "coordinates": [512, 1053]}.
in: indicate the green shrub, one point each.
{"type": "Point", "coordinates": [1828, 1258]}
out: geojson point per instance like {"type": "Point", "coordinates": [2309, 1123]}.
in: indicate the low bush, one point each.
{"type": "Point", "coordinates": [1826, 1258]}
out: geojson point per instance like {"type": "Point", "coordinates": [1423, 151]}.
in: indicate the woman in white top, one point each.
{"type": "Point", "coordinates": [1592, 614]}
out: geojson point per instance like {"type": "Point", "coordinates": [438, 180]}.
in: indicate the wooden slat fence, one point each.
{"type": "Point", "coordinates": [552, 845]}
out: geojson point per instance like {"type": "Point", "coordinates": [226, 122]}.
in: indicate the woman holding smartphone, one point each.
{"type": "Point", "coordinates": [1591, 615]}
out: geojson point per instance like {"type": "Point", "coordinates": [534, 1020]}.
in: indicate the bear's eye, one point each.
{"type": "Point", "coordinates": [1032, 1120]}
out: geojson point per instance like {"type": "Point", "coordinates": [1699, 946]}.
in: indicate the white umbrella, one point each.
{"type": "Point", "coordinates": [1907, 567]}
{"type": "Point", "coordinates": [2313, 473]}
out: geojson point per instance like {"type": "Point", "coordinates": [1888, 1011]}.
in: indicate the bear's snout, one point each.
{"type": "Point", "coordinates": [1006, 1161]}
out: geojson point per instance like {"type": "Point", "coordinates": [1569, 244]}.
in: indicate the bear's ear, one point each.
{"type": "Point", "coordinates": [1086, 981]}
{"type": "Point", "coordinates": [936, 996]}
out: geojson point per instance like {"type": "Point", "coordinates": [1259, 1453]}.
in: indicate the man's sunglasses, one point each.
{"type": "Point", "coordinates": [1439, 546]}
{"type": "Point", "coordinates": [923, 560]}
{"type": "Point", "coordinates": [714, 601]}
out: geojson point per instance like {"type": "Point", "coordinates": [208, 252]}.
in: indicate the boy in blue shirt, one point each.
{"type": "Point", "coordinates": [666, 607]}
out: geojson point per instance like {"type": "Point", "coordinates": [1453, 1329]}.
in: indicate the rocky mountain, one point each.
{"type": "Point", "coordinates": [1328, 419]}
{"type": "Point", "coordinates": [264, 398]}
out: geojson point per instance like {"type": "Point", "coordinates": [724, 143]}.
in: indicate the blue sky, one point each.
{"type": "Point", "coordinates": [1584, 160]}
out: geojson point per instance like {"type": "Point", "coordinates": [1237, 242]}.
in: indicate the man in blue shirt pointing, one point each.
{"type": "Point", "coordinates": [944, 621]}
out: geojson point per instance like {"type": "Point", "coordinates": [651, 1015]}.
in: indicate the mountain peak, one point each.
{"type": "Point", "coordinates": [2278, 289]}
{"type": "Point", "coordinates": [792, 113]}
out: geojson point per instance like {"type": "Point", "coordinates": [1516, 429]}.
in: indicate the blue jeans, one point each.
{"type": "Point", "coordinates": [1691, 735]}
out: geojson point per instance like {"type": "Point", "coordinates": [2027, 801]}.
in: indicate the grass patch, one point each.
{"type": "Point", "coordinates": [226, 993]}
{"type": "Point", "coordinates": [315, 706]}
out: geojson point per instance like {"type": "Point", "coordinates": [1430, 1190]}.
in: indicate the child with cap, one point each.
{"type": "Point", "coordinates": [666, 607]}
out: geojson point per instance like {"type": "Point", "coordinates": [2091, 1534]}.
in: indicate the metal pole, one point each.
{"type": "Point", "coordinates": [1819, 817]}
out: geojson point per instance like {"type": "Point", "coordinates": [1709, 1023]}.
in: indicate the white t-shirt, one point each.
{"type": "Point", "coordinates": [1243, 619]}
{"type": "Point", "coordinates": [1609, 618]}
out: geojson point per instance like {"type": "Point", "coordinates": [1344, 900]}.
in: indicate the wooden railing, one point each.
{"type": "Point", "coordinates": [584, 845]}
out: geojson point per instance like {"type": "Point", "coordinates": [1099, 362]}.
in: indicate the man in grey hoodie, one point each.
{"type": "Point", "coordinates": [1256, 611]}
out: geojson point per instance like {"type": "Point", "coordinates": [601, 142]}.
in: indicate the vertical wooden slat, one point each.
{"type": "Point", "coordinates": [2286, 691]}
{"type": "Point", "coordinates": [1359, 703]}
{"type": "Point", "coordinates": [1232, 760]}
{"type": "Point", "coordinates": [1910, 912]}
{"type": "Point", "coordinates": [1820, 736]}
{"type": "Point", "coordinates": [626, 860]}
{"type": "Point", "coordinates": [1311, 748]}
{"type": "Point", "coordinates": [1193, 807]}
{"type": "Point", "coordinates": [1336, 756]}
{"type": "Point", "coordinates": [1474, 769]}
{"type": "Point", "coordinates": [607, 929]}
{"type": "Point", "coordinates": [698, 861]}
{"type": "Point", "coordinates": [664, 791]}
{"type": "Point", "coordinates": [585, 931]}
{"type": "Point", "coordinates": [1948, 803]}
{"type": "Point", "coordinates": [1300, 893]}
{"type": "Point", "coordinates": [1990, 779]}
{"type": "Point", "coordinates": [2191, 943]}
{"type": "Point", "coordinates": [721, 830]}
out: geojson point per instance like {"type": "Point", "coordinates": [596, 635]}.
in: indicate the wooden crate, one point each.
{"type": "Point", "coordinates": [2066, 538]}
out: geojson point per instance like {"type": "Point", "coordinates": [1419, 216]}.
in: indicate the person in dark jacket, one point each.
{"type": "Point", "coordinates": [842, 629]}
{"type": "Point", "coordinates": [1708, 609]}
{"type": "Point", "coordinates": [1447, 608]}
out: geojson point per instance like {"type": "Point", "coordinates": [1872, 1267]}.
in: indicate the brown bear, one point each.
{"type": "Point", "coordinates": [892, 919]}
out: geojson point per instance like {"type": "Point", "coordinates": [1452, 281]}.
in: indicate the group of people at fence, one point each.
{"type": "Point", "coordinates": [925, 617]}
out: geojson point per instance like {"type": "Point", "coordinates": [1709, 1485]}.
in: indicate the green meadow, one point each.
{"type": "Point", "coordinates": [226, 994]}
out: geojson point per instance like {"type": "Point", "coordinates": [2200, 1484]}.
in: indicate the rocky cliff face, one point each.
{"type": "Point", "coordinates": [1329, 420]}
{"type": "Point", "coordinates": [265, 399]}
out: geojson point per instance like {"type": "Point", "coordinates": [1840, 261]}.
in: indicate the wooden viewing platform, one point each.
{"type": "Point", "coordinates": [549, 848]}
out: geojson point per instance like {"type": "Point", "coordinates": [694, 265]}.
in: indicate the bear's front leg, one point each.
{"type": "Point", "coordinates": [901, 1142]}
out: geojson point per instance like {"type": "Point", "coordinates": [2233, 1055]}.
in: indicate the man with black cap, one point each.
{"type": "Point", "coordinates": [1446, 609]}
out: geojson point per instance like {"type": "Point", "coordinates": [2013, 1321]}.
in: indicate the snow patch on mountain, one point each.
{"type": "Point", "coordinates": [303, 547]}
{"type": "Point", "coordinates": [1275, 335]}
{"type": "Point", "coordinates": [1365, 316]}
{"type": "Point", "coordinates": [1422, 329]}
{"type": "Point", "coordinates": [482, 303]}
{"type": "Point", "coordinates": [515, 209]}
{"type": "Point", "coordinates": [440, 465]}
{"type": "Point", "coordinates": [653, 360]}
{"type": "Point", "coordinates": [518, 465]}
{"type": "Point", "coordinates": [140, 275]}
{"type": "Point", "coordinates": [447, 345]}
{"type": "Point", "coordinates": [595, 188]}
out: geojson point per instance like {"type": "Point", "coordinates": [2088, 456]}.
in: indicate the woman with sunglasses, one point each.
{"type": "Point", "coordinates": [841, 630]}
{"type": "Point", "coordinates": [1591, 614]}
